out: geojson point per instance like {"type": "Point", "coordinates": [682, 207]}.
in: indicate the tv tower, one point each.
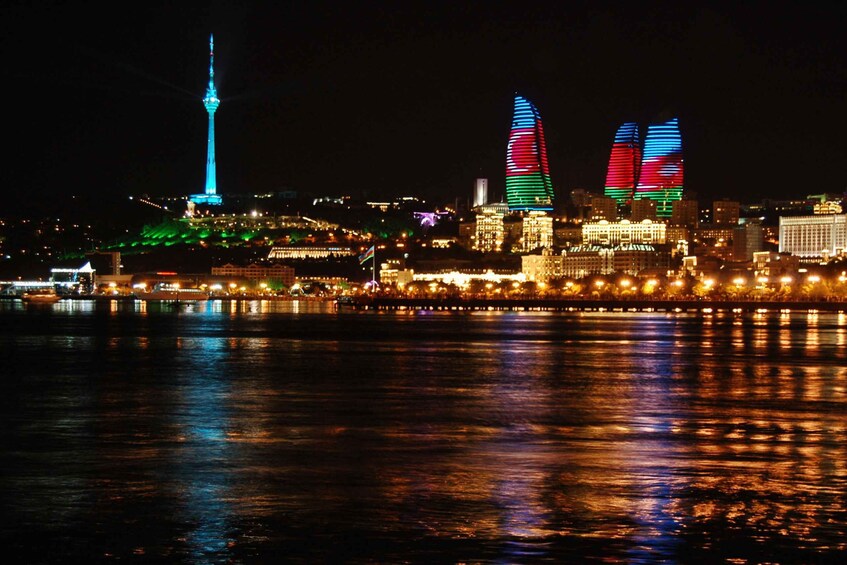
{"type": "Point", "coordinates": [211, 102]}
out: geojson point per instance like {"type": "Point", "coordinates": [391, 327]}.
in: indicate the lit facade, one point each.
{"type": "Point", "coordinates": [211, 102]}
{"type": "Point", "coordinates": [661, 175]}
{"type": "Point", "coordinates": [305, 252]}
{"type": "Point", "coordinates": [542, 268]}
{"type": "Point", "coordinates": [463, 278]}
{"type": "Point", "coordinates": [274, 275]}
{"type": "Point", "coordinates": [827, 207]}
{"type": "Point", "coordinates": [624, 164]}
{"type": "Point", "coordinates": [490, 230]}
{"type": "Point", "coordinates": [537, 231]}
{"type": "Point", "coordinates": [813, 238]}
{"type": "Point", "coordinates": [632, 258]}
{"type": "Point", "coordinates": [712, 234]}
{"type": "Point", "coordinates": [480, 193]}
{"type": "Point", "coordinates": [583, 260]}
{"type": "Point", "coordinates": [624, 232]}
{"type": "Point", "coordinates": [528, 183]}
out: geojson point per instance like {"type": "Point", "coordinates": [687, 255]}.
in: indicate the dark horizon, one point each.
{"type": "Point", "coordinates": [377, 102]}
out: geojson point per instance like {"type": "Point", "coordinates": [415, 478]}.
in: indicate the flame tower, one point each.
{"type": "Point", "coordinates": [211, 102]}
{"type": "Point", "coordinates": [661, 169]}
{"type": "Point", "coordinates": [624, 164]}
{"type": "Point", "coordinates": [528, 184]}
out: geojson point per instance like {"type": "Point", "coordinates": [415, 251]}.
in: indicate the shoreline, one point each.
{"type": "Point", "coordinates": [571, 304]}
{"type": "Point", "coordinates": [383, 303]}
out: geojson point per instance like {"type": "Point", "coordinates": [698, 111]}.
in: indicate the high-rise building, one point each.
{"type": "Point", "coordinates": [211, 102]}
{"type": "Point", "coordinates": [528, 184]}
{"type": "Point", "coordinates": [747, 239]}
{"type": "Point", "coordinates": [603, 208]}
{"type": "Point", "coordinates": [624, 164]}
{"type": "Point", "coordinates": [644, 209]}
{"type": "Point", "coordinates": [726, 212]}
{"type": "Point", "coordinates": [661, 176]}
{"type": "Point", "coordinates": [480, 193]}
{"type": "Point", "coordinates": [537, 231]}
{"type": "Point", "coordinates": [490, 230]}
{"type": "Point", "coordinates": [685, 213]}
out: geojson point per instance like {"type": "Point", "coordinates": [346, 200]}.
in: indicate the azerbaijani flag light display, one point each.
{"type": "Point", "coordinates": [367, 255]}
{"type": "Point", "coordinates": [624, 164]}
{"type": "Point", "coordinates": [528, 184]}
{"type": "Point", "coordinates": [661, 167]}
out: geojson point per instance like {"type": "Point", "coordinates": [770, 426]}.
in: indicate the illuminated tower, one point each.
{"type": "Point", "coordinates": [624, 164]}
{"type": "Point", "coordinates": [211, 102]}
{"type": "Point", "coordinates": [528, 184]}
{"type": "Point", "coordinates": [661, 168]}
{"type": "Point", "coordinates": [480, 193]}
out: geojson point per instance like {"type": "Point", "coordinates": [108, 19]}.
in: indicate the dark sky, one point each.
{"type": "Point", "coordinates": [415, 98]}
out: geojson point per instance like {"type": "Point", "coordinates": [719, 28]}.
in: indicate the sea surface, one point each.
{"type": "Point", "coordinates": [294, 432]}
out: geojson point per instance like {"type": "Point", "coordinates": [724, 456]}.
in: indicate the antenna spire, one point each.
{"type": "Point", "coordinates": [210, 92]}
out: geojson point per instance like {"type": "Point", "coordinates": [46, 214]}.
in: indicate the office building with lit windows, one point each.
{"type": "Point", "coordinates": [603, 208]}
{"type": "Point", "coordinates": [537, 231]}
{"type": "Point", "coordinates": [490, 229]}
{"type": "Point", "coordinates": [644, 209]}
{"type": "Point", "coordinates": [528, 184]}
{"type": "Point", "coordinates": [726, 212]}
{"type": "Point", "coordinates": [685, 213]}
{"type": "Point", "coordinates": [813, 238]}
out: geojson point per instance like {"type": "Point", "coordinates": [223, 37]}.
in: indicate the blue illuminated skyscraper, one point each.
{"type": "Point", "coordinates": [211, 102]}
{"type": "Point", "coordinates": [661, 176]}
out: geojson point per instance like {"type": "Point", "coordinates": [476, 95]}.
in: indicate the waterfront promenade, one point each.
{"type": "Point", "coordinates": [390, 303]}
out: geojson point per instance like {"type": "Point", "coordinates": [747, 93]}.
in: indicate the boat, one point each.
{"type": "Point", "coordinates": [167, 291]}
{"type": "Point", "coordinates": [345, 300]}
{"type": "Point", "coordinates": [41, 296]}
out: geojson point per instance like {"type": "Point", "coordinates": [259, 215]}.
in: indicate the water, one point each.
{"type": "Point", "coordinates": [290, 432]}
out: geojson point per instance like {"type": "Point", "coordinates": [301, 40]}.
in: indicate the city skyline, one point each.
{"type": "Point", "coordinates": [405, 100]}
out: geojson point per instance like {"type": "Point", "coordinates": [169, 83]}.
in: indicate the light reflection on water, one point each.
{"type": "Point", "coordinates": [223, 431]}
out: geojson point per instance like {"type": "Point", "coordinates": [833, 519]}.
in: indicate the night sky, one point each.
{"type": "Point", "coordinates": [387, 99]}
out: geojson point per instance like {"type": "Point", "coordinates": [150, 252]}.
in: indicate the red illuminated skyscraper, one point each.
{"type": "Point", "coordinates": [624, 164]}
